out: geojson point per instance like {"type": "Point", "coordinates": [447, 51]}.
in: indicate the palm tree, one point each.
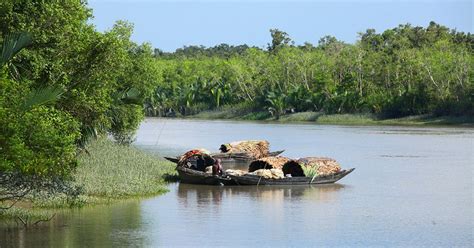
{"type": "Point", "coordinates": [12, 44]}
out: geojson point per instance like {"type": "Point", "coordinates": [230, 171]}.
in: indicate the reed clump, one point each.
{"type": "Point", "coordinates": [115, 171]}
{"type": "Point", "coordinates": [105, 173]}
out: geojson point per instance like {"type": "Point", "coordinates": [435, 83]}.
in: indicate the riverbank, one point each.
{"type": "Point", "coordinates": [107, 172]}
{"type": "Point", "coordinates": [336, 119]}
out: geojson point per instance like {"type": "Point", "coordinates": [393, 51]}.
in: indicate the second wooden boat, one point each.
{"type": "Point", "coordinates": [258, 180]}
{"type": "Point", "coordinates": [229, 157]}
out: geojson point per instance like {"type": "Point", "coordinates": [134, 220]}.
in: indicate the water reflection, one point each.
{"type": "Point", "coordinates": [204, 195]}
{"type": "Point", "coordinates": [100, 226]}
{"type": "Point", "coordinates": [412, 188]}
{"type": "Point", "coordinates": [238, 212]}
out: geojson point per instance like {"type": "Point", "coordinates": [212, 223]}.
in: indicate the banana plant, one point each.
{"type": "Point", "coordinates": [190, 95]}
{"type": "Point", "coordinates": [277, 102]}
{"type": "Point", "coordinates": [216, 95]}
{"type": "Point", "coordinates": [220, 92]}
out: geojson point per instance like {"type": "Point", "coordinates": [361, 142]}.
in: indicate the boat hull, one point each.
{"type": "Point", "coordinates": [190, 176]}
{"type": "Point", "coordinates": [256, 180]}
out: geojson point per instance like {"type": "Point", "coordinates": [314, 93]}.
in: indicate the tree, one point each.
{"type": "Point", "coordinates": [37, 142]}
{"type": "Point", "coordinates": [72, 83]}
{"type": "Point", "coordinates": [279, 39]}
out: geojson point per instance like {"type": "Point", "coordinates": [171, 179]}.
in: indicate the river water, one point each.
{"type": "Point", "coordinates": [411, 187]}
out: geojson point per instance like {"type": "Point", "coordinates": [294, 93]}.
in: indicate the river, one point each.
{"type": "Point", "coordinates": [413, 186]}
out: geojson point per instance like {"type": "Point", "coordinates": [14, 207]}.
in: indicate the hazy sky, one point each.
{"type": "Point", "coordinates": [172, 24]}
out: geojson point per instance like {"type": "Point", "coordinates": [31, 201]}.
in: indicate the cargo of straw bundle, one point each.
{"type": "Point", "coordinates": [269, 173]}
{"type": "Point", "coordinates": [268, 163]}
{"type": "Point", "coordinates": [265, 173]}
{"type": "Point", "coordinates": [254, 148]}
{"type": "Point", "coordinates": [324, 166]}
{"type": "Point", "coordinates": [235, 172]}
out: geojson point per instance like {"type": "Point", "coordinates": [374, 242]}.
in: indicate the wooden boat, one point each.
{"type": "Point", "coordinates": [257, 180]}
{"type": "Point", "coordinates": [229, 157]}
{"type": "Point", "coordinates": [198, 177]}
{"type": "Point", "coordinates": [240, 156]}
{"type": "Point", "coordinates": [174, 160]}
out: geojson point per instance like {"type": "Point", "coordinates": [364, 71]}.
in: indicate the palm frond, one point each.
{"type": "Point", "coordinates": [42, 96]}
{"type": "Point", "coordinates": [128, 96]}
{"type": "Point", "coordinates": [87, 133]}
{"type": "Point", "coordinates": [133, 96]}
{"type": "Point", "coordinates": [12, 44]}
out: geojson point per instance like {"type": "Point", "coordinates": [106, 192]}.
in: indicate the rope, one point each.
{"type": "Point", "coordinates": [313, 178]}
{"type": "Point", "coordinates": [161, 131]}
{"type": "Point", "coordinates": [264, 167]}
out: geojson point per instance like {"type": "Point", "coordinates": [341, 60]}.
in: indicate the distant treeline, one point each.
{"type": "Point", "coordinates": [403, 71]}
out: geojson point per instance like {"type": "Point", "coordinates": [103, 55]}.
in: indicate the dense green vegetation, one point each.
{"type": "Point", "coordinates": [62, 83]}
{"type": "Point", "coordinates": [403, 71]}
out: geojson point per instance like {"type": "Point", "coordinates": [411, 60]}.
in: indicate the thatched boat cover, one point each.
{"type": "Point", "coordinates": [196, 153]}
{"type": "Point", "coordinates": [255, 148]}
{"type": "Point", "coordinates": [325, 166]}
{"type": "Point", "coordinates": [268, 163]}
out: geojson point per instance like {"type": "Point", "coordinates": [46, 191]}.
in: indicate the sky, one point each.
{"type": "Point", "coordinates": [169, 25]}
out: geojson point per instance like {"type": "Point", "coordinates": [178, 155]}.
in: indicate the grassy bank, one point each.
{"type": "Point", "coordinates": [115, 171]}
{"type": "Point", "coordinates": [338, 119]}
{"type": "Point", "coordinates": [106, 173]}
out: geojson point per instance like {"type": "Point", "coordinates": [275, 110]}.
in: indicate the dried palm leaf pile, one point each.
{"type": "Point", "coordinates": [254, 148]}
{"type": "Point", "coordinates": [268, 167]}
{"type": "Point", "coordinates": [323, 166]}
{"type": "Point", "coordinates": [268, 163]}
{"type": "Point", "coordinates": [269, 173]}
{"type": "Point", "coordinates": [265, 173]}
{"type": "Point", "coordinates": [237, 173]}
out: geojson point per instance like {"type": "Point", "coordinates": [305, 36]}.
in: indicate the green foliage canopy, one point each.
{"type": "Point", "coordinates": [403, 71]}
{"type": "Point", "coordinates": [71, 82]}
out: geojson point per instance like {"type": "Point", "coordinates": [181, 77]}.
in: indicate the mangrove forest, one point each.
{"type": "Point", "coordinates": [63, 83]}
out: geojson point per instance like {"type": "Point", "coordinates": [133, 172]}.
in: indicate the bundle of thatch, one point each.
{"type": "Point", "coordinates": [265, 173]}
{"type": "Point", "coordinates": [268, 163]}
{"type": "Point", "coordinates": [269, 173]}
{"type": "Point", "coordinates": [235, 172]}
{"type": "Point", "coordinates": [254, 148]}
{"type": "Point", "coordinates": [208, 170]}
{"type": "Point", "coordinates": [323, 166]}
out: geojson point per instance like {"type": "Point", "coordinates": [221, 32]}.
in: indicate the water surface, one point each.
{"type": "Point", "coordinates": [411, 187]}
